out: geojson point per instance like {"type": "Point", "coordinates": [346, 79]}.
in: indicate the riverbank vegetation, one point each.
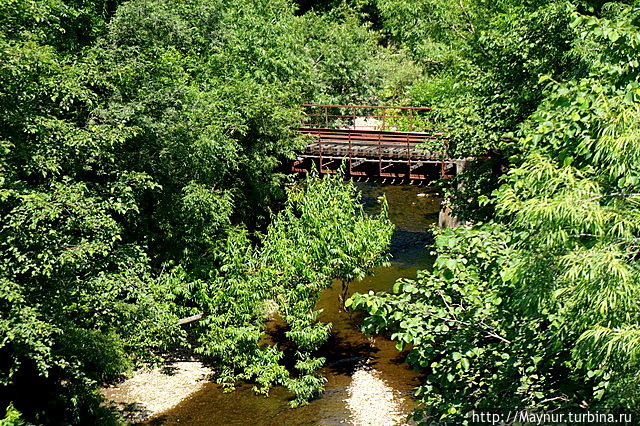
{"type": "Point", "coordinates": [534, 304]}
{"type": "Point", "coordinates": [141, 145]}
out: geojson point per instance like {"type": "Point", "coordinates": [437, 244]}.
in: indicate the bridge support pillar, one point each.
{"type": "Point", "coordinates": [446, 218]}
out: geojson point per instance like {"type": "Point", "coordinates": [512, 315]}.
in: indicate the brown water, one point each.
{"type": "Point", "coordinates": [368, 381]}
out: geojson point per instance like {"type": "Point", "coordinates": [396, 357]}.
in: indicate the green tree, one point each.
{"type": "Point", "coordinates": [321, 235]}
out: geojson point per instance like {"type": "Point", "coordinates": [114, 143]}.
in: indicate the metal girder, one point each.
{"type": "Point", "coordinates": [355, 162]}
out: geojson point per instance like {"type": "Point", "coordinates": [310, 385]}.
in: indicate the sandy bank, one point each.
{"type": "Point", "coordinates": [152, 391]}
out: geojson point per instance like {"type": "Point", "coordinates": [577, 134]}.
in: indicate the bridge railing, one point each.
{"type": "Point", "coordinates": [367, 117]}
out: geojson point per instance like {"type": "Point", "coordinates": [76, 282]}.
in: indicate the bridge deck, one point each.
{"type": "Point", "coordinates": [399, 142]}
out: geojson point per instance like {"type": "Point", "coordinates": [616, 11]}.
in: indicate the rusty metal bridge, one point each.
{"type": "Point", "coordinates": [398, 143]}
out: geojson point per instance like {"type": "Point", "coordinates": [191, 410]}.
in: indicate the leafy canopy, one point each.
{"type": "Point", "coordinates": [538, 307]}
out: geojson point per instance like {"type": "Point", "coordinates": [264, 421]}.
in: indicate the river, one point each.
{"type": "Point", "coordinates": [368, 381]}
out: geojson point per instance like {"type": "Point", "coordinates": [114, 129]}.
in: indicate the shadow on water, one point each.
{"type": "Point", "coordinates": [366, 376]}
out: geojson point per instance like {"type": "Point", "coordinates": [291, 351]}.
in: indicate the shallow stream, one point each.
{"type": "Point", "coordinates": [368, 381]}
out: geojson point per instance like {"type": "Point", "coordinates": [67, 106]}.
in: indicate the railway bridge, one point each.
{"type": "Point", "coordinates": [400, 144]}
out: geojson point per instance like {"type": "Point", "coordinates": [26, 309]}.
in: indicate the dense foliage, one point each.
{"type": "Point", "coordinates": [537, 308]}
{"type": "Point", "coordinates": [139, 150]}
{"type": "Point", "coordinates": [321, 235]}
